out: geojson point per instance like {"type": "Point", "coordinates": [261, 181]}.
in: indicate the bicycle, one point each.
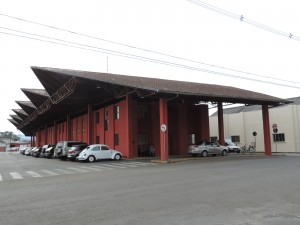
{"type": "Point", "coordinates": [250, 149]}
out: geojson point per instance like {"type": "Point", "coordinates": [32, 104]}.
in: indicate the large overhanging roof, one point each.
{"type": "Point", "coordinates": [37, 96]}
{"type": "Point", "coordinates": [21, 113]}
{"type": "Point", "coordinates": [52, 79]}
{"type": "Point", "coordinates": [27, 106]}
{"type": "Point", "coordinates": [68, 91]}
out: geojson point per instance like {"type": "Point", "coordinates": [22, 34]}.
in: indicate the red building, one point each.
{"type": "Point", "coordinates": [127, 113]}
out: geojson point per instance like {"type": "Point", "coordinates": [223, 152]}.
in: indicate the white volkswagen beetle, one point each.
{"type": "Point", "coordinates": [98, 151]}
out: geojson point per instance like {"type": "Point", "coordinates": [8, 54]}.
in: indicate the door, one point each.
{"type": "Point", "coordinates": [96, 152]}
{"type": "Point", "coordinates": [105, 152]}
{"type": "Point", "coordinates": [210, 148]}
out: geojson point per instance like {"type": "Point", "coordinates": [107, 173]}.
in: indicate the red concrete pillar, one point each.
{"type": "Point", "coordinates": [31, 140]}
{"type": "Point", "coordinates": [46, 135]}
{"type": "Point", "coordinates": [131, 124]}
{"type": "Point", "coordinates": [68, 127]}
{"type": "Point", "coordinates": [164, 138]}
{"type": "Point", "coordinates": [54, 133]}
{"type": "Point", "coordinates": [182, 121]}
{"type": "Point", "coordinates": [221, 123]}
{"type": "Point", "coordinates": [90, 124]}
{"type": "Point", "coordinates": [204, 123]}
{"type": "Point", "coordinates": [266, 126]}
{"type": "Point", "coordinates": [38, 141]}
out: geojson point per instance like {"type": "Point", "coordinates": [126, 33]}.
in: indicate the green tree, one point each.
{"type": "Point", "coordinates": [10, 135]}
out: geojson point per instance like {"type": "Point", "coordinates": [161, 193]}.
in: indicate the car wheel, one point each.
{"type": "Point", "coordinates": [204, 153]}
{"type": "Point", "coordinates": [118, 157]}
{"type": "Point", "coordinates": [224, 153]}
{"type": "Point", "coordinates": [91, 158]}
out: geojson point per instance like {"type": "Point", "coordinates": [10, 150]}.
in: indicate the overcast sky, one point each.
{"type": "Point", "coordinates": [174, 27]}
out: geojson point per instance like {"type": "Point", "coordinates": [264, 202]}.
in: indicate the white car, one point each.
{"type": "Point", "coordinates": [206, 148]}
{"type": "Point", "coordinates": [98, 151]}
{"type": "Point", "coordinates": [232, 147]}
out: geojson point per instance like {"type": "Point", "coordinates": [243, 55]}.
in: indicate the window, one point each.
{"type": "Point", "coordinates": [106, 123]}
{"type": "Point", "coordinates": [116, 139]}
{"type": "Point", "coordinates": [117, 112]}
{"type": "Point", "coordinates": [278, 137]}
{"type": "Point", "coordinates": [104, 147]}
{"type": "Point", "coordinates": [97, 117]}
{"type": "Point", "coordinates": [235, 139]}
{"type": "Point", "coordinates": [97, 140]}
{"type": "Point", "coordinates": [97, 148]}
{"type": "Point", "coordinates": [192, 139]}
{"type": "Point", "coordinates": [213, 139]}
{"type": "Point", "coordinates": [106, 113]}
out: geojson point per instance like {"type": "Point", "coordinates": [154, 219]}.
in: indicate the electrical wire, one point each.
{"type": "Point", "coordinates": [147, 50]}
{"type": "Point", "coordinates": [243, 19]}
{"type": "Point", "coordinates": [126, 55]}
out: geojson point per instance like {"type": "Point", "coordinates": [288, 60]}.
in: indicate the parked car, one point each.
{"type": "Point", "coordinates": [99, 151]}
{"type": "Point", "coordinates": [22, 150]}
{"type": "Point", "coordinates": [13, 149]}
{"type": "Point", "coordinates": [62, 148]}
{"type": "Point", "coordinates": [36, 152]}
{"type": "Point", "coordinates": [28, 151]}
{"type": "Point", "coordinates": [206, 148]}
{"type": "Point", "coordinates": [232, 147]}
{"type": "Point", "coordinates": [49, 152]}
{"type": "Point", "coordinates": [44, 150]}
{"type": "Point", "coordinates": [75, 151]}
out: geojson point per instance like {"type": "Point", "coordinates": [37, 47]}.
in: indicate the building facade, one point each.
{"type": "Point", "coordinates": [134, 115]}
{"type": "Point", "coordinates": [240, 123]}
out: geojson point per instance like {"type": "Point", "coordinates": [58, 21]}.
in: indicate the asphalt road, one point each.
{"type": "Point", "coordinates": [212, 191]}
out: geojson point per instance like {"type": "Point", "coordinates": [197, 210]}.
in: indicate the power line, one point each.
{"type": "Point", "coordinates": [243, 19]}
{"type": "Point", "coordinates": [151, 51]}
{"type": "Point", "coordinates": [136, 57]}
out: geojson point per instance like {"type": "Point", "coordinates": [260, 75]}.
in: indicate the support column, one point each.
{"type": "Point", "coordinates": [31, 141]}
{"type": "Point", "coordinates": [68, 128]}
{"type": "Point", "coordinates": [131, 134]}
{"type": "Point", "coordinates": [204, 123]}
{"type": "Point", "coordinates": [54, 133]}
{"type": "Point", "coordinates": [266, 126]}
{"type": "Point", "coordinates": [38, 141]}
{"type": "Point", "coordinates": [182, 121]}
{"type": "Point", "coordinates": [46, 136]}
{"type": "Point", "coordinates": [221, 123]}
{"type": "Point", "coordinates": [90, 124]}
{"type": "Point", "coordinates": [164, 138]}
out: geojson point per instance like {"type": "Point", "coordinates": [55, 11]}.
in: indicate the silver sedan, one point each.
{"type": "Point", "coordinates": [207, 148]}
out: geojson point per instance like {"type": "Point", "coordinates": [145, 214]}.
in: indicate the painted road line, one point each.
{"type": "Point", "coordinates": [141, 163]}
{"type": "Point", "coordinates": [16, 175]}
{"type": "Point", "coordinates": [49, 172]}
{"type": "Point", "coordinates": [110, 165]}
{"type": "Point", "coordinates": [1, 179]}
{"type": "Point", "coordinates": [90, 168]}
{"type": "Point", "coordinates": [64, 171]}
{"type": "Point", "coordinates": [125, 164]}
{"type": "Point", "coordinates": [77, 169]}
{"type": "Point", "coordinates": [33, 174]}
{"type": "Point", "coordinates": [103, 167]}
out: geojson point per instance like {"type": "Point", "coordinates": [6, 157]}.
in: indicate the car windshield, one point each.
{"type": "Point", "coordinates": [230, 144]}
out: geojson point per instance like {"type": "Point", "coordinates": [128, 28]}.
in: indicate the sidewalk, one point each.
{"type": "Point", "coordinates": [174, 159]}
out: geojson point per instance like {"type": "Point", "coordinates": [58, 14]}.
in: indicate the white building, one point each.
{"type": "Point", "coordinates": [241, 122]}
